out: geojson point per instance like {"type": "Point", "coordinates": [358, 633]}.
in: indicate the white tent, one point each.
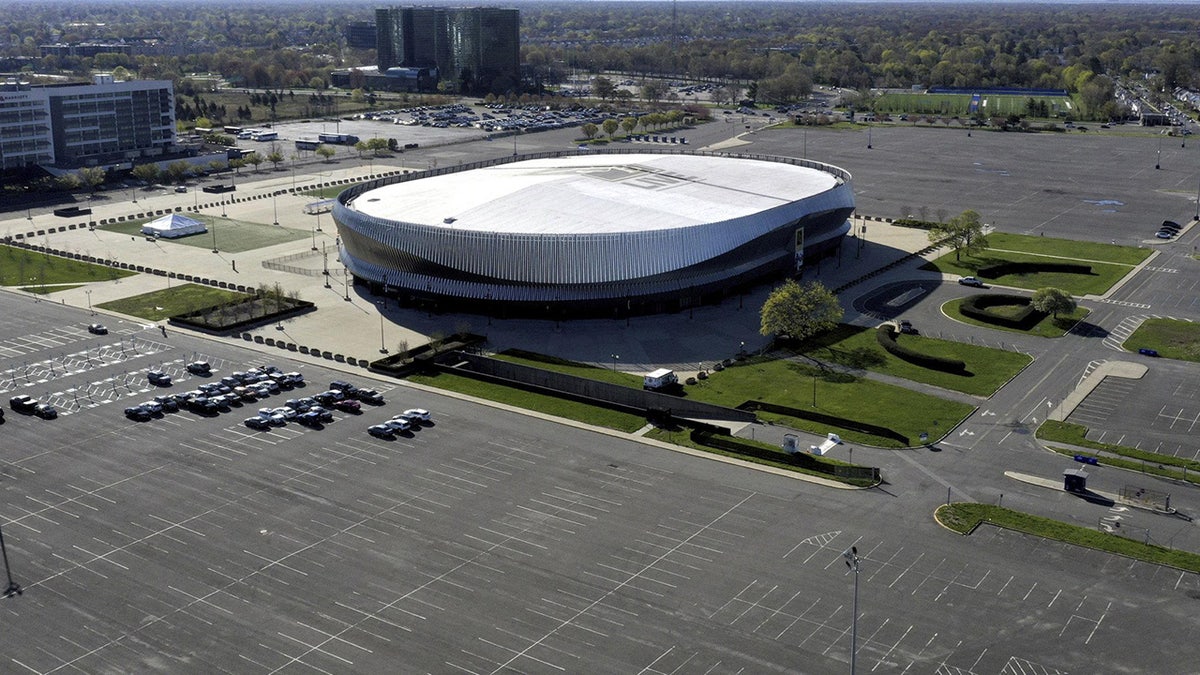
{"type": "Point", "coordinates": [173, 225]}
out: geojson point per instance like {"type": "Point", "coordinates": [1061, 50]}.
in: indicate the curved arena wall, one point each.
{"type": "Point", "coordinates": [444, 263]}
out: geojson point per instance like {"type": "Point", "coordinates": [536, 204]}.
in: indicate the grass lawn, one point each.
{"type": "Point", "coordinates": [550, 405]}
{"type": "Point", "coordinates": [1048, 327]}
{"type": "Point", "coordinates": [987, 368]}
{"type": "Point", "coordinates": [159, 305]}
{"type": "Point", "coordinates": [47, 290]}
{"type": "Point", "coordinates": [1172, 338]}
{"type": "Point", "coordinates": [1068, 248]}
{"type": "Point", "coordinates": [231, 236]}
{"type": "Point", "coordinates": [964, 518]}
{"type": "Point", "coordinates": [1103, 275]}
{"type": "Point", "coordinates": [20, 267]}
{"type": "Point", "coordinates": [959, 104]}
{"type": "Point", "coordinates": [791, 384]}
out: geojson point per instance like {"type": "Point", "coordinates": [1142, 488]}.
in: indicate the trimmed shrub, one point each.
{"type": "Point", "coordinates": [978, 307]}
{"type": "Point", "coordinates": [886, 336]}
{"type": "Point", "coordinates": [1004, 268]}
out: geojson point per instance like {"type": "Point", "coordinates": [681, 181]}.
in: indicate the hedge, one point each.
{"type": "Point", "coordinates": [1014, 267]}
{"type": "Point", "coordinates": [977, 307]}
{"type": "Point", "coordinates": [886, 336]}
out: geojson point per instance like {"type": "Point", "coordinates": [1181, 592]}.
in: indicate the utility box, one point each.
{"type": "Point", "coordinates": [1075, 480]}
{"type": "Point", "coordinates": [660, 379]}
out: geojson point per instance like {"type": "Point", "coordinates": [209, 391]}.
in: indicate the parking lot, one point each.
{"type": "Point", "coordinates": [486, 541]}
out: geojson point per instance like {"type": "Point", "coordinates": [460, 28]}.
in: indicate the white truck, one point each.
{"type": "Point", "coordinates": [659, 379]}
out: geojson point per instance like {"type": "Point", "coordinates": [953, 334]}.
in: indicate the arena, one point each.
{"type": "Point", "coordinates": [592, 232]}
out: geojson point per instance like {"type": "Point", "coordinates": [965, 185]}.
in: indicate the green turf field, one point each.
{"type": "Point", "coordinates": [959, 104]}
{"type": "Point", "coordinates": [231, 236]}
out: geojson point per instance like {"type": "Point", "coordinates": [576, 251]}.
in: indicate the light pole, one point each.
{"type": "Point", "coordinates": [88, 293]}
{"type": "Point", "coordinates": [382, 343]}
{"type": "Point", "coordinates": [275, 206]}
{"type": "Point", "coordinates": [314, 239]}
{"type": "Point", "coordinates": [13, 587]}
{"type": "Point", "coordinates": [852, 559]}
{"type": "Point", "coordinates": [214, 234]}
{"type": "Point", "coordinates": [1158, 158]}
{"type": "Point", "coordinates": [615, 357]}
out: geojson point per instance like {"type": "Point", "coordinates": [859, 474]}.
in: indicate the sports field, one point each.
{"type": "Point", "coordinates": [960, 104]}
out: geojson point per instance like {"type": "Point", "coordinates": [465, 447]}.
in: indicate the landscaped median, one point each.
{"type": "Point", "coordinates": [1042, 262]}
{"type": "Point", "coordinates": [1120, 456]}
{"type": "Point", "coordinates": [33, 270]}
{"type": "Point", "coordinates": [1171, 338]}
{"type": "Point", "coordinates": [964, 518]}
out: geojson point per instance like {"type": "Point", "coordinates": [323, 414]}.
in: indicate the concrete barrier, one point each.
{"type": "Point", "coordinates": [303, 349]}
{"type": "Point", "coordinates": [247, 336]}
{"type": "Point", "coordinates": [258, 339]}
{"type": "Point", "coordinates": [327, 355]}
{"type": "Point", "coordinates": [270, 342]}
{"type": "Point", "coordinates": [339, 358]}
{"type": "Point", "coordinates": [351, 360]}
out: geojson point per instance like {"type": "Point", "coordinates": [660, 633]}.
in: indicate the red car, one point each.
{"type": "Point", "coordinates": [346, 405]}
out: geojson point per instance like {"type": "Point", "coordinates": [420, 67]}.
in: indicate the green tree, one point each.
{"type": "Point", "coordinates": [177, 172]}
{"type": "Point", "coordinates": [629, 124]}
{"type": "Point", "coordinates": [800, 311]}
{"type": "Point", "coordinates": [603, 88]}
{"type": "Point", "coordinates": [590, 130]}
{"type": "Point", "coordinates": [275, 157]}
{"type": "Point", "coordinates": [610, 127]}
{"type": "Point", "coordinates": [93, 177]}
{"type": "Point", "coordinates": [1052, 301]}
{"type": "Point", "coordinates": [963, 232]}
{"type": "Point", "coordinates": [654, 90]}
{"type": "Point", "coordinates": [325, 152]}
{"type": "Point", "coordinates": [377, 145]}
{"type": "Point", "coordinates": [254, 159]}
{"type": "Point", "coordinates": [68, 181]}
{"type": "Point", "coordinates": [361, 148]}
{"type": "Point", "coordinates": [146, 172]}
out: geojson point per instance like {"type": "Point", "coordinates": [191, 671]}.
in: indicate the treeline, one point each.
{"type": "Point", "coordinates": [784, 46]}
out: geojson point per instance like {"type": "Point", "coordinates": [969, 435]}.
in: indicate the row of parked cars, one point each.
{"type": "Point", "coordinates": [210, 398]}
{"type": "Point", "coordinates": [1168, 230]}
{"type": "Point", "coordinates": [28, 405]}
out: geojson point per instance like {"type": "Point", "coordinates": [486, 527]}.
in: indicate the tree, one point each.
{"type": "Point", "coordinates": [589, 130]}
{"type": "Point", "coordinates": [253, 159]}
{"type": "Point", "coordinates": [325, 152]}
{"type": "Point", "coordinates": [361, 148]}
{"type": "Point", "coordinates": [146, 172]}
{"type": "Point", "coordinates": [654, 90]}
{"type": "Point", "coordinates": [610, 127]}
{"type": "Point", "coordinates": [1052, 301]}
{"type": "Point", "coordinates": [178, 171]}
{"type": "Point", "coordinates": [92, 176]}
{"type": "Point", "coordinates": [377, 145]}
{"type": "Point", "coordinates": [629, 124]}
{"type": "Point", "coordinates": [603, 88]}
{"type": "Point", "coordinates": [68, 181]}
{"type": "Point", "coordinates": [963, 232]}
{"type": "Point", "coordinates": [275, 157]}
{"type": "Point", "coordinates": [800, 311]}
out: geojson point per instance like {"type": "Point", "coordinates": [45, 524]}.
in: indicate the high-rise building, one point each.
{"type": "Point", "coordinates": [477, 49]}
{"type": "Point", "coordinates": [85, 124]}
{"type": "Point", "coordinates": [360, 35]}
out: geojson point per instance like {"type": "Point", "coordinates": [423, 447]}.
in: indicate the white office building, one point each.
{"type": "Point", "coordinates": [105, 123]}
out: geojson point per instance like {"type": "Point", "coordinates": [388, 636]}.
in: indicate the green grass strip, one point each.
{"type": "Point", "coordinates": [1049, 327]}
{"type": "Point", "coordinates": [21, 267]}
{"type": "Point", "coordinates": [550, 405]}
{"type": "Point", "coordinates": [964, 518]}
{"type": "Point", "coordinates": [1076, 434]}
{"type": "Point", "coordinates": [159, 305]}
{"type": "Point", "coordinates": [1171, 338]}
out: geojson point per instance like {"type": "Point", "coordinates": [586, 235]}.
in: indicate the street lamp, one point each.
{"type": "Point", "coordinates": [852, 559]}
{"type": "Point", "coordinates": [89, 299]}
{"type": "Point", "coordinates": [382, 343]}
{"type": "Point", "coordinates": [615, 357]}
{"type": "Point", "coordinates": [275, 206]}
{"type": "Point", "coordinates": [13, 587]}
{"type": "Point", "coordinates": [314, 239]}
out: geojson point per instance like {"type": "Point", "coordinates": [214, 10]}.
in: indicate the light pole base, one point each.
{"type": "Point", "coordinates": [13, 589]}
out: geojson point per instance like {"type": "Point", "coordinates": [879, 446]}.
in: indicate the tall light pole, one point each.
{"type": "Point", "coordinates": [615, 357]}
{"type": "Point", "coordinates": [89, 298]}
{"type": "Point", "coordinates": [852, 559]}
{"type": "Point", "coordinates": [13, 587]}
{"type": "Point", "coordinates": [382, 342]}
{"type": "Point", "coordinates": [275, 206]}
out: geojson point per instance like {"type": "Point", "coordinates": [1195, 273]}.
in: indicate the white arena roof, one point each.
{"type": "Point", "coordinates": [595, 194]}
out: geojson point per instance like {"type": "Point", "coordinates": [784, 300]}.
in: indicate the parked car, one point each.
{"type": "Point", "coordinates": [325, 415]}
{"type": "Point", "coordinates": [23, 403]}
{"type": "Point", "coordinates": [369, 396]}
{"type": "Point", "coordinates": [309, 419]}
{"type": "Point", "coordinates": [1146, 351]}
{"type": "Point", "coordinates": [201, 368]}
{"type": "Point", "coordinates": [159, 378]}
{"type": "Point", "coordinates": [259, 423]}
{"type": "Point", "coordinates": [138, 414]}
{"type": "Point", "coordinates": [399, 424]}
{"type": "Point", "coordinates": [97, 329]}
{"type": "Point", "coordinates": [168, 403]}
{"type": "Point", "coordinates": [347, 405]}
{"type": "Point", "coordinates": [45, 411]}
{"type": "Point", "coordinates": [153, 407]}
{"type": "Point", "coordinates": [381, 431]}
{"type": "Point", "coordinates": [1163, 234]}
{"type": "Point", "coordinates": [417, 415]}
{"type": "Point", "coordinates": [971, 281]}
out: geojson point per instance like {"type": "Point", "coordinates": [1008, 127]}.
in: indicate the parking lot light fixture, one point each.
{"type": "Point", "coordinates": [852, 560]}
{"type": "Point", "coordinates": [13, 588]}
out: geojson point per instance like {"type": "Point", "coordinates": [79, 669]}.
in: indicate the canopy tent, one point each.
{"type": "Point", "coordinates": [173, 225]}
